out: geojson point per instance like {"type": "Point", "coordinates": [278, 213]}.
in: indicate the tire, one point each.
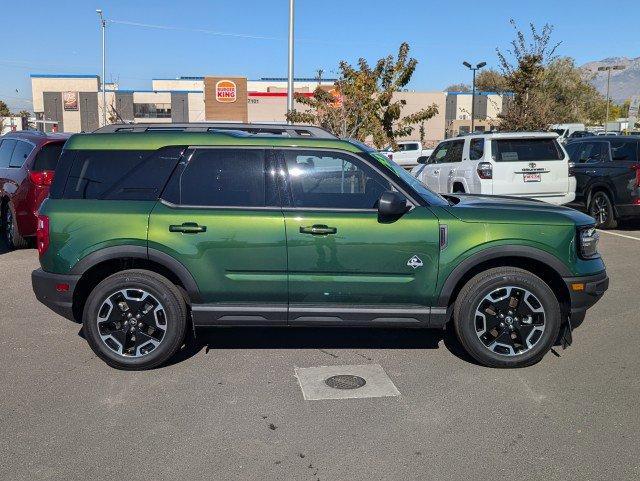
{"type": "Point", "coordinates": [478, 296]}
{"type": "Point", "coordinates": [10, 233]}
{"type": "Point", "coordinates": [114, 340]}
{"type": "Point", "coordinates": [601, 209]}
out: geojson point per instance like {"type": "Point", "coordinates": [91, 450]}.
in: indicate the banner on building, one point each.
{"type": "Point", "coordinates": [70, 100]}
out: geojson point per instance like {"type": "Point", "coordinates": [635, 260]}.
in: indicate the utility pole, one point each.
{"type": "Point", "coordinates": [290, 65]}
{"type": "Point", "coordinates": [473, 90]}
{"type": "Point", "coordinates": [103, 24]}
{"type": "Point", "coordinates": [608, 69]}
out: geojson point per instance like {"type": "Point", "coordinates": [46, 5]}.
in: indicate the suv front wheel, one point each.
{"type": "Point", "coordinates": [135, 319]}
{"type": "Point", "coordinates": [507, 317]}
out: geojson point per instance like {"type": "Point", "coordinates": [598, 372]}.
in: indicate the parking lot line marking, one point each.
{"type": "Point", "coordinates": [619, 235]}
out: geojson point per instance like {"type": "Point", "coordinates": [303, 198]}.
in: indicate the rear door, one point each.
{"type": "Point", "coordinates": [220, 216]}
{"type": "Point", "coordinates": [591, 165]}
{"type": "Point", "coordinates": [529, 167]}
{"type": "Point", "coordinates": [622, 175]}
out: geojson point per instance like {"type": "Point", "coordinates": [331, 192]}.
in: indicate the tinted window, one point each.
{"type": "Point", "coordinates": [590, 152]}
{"type": "Point", "coordinates": [47, 158]}
{"type": "Point", "coordinates": [476, 149]}
{"type": "Point", "coordinates": [514, 150]}
{"type": "Point", "coordinates": [6, 149]}
{"type": "Point", "coordinates": [120, 174]}
{"type": "Point", "coordinates": [448, 152]}
{"type": "Point", "coordinates": [224, 177]}
{"type": "Point", "coordinates": [406, 147]}
{"type": "Point", "coordinates": [333, 180]}
{"type": "Point", "coordinates": [20, 153]}
{"type": "Point", "coordinates": [622, 150]}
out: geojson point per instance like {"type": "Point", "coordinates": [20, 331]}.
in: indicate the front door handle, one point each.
{"type": "Point", "coordinates": [318, 230]}
{"type": "Point", "coordinates": [451, 171]}
{"type": "Point", "coordinates": [436, 172]}
{"type": "Point", "coordinates": [188, 228]}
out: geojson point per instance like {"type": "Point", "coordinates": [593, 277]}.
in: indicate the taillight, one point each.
{"type": "Point", "coordinates": [42, 234]}
{"type": "Point", "coordinates": [572, 169]}
{"type": "Point", "coordinates": [485, 170]}
{"type": "Point", "coordinates": [636, 167]}
{"type": "Point", "coordinates": [44, 178]}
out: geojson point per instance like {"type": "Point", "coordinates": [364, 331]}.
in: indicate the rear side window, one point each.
{"type": "Point", "coordinates": [20, 153]}
{"type": "Point", "coordinates": [623, 150]}
{"type": "Point", "coordinates": [476, 149]}
{"type": "Point", "coordinates": [47, 158]}
{"type": "Point", "coordinates": [120, 174]}
{"type": "Point", "coordinates": [514, 150]}
{"type": "Point", "coordinates": [407, 147]}
{"type": "Point", "coordinates": [224, 178]}
{"type": "Point", "coordinates": [6, 149]}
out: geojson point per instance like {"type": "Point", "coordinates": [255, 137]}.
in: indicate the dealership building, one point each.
{"type": "Point", "coordinates": [74, 103]}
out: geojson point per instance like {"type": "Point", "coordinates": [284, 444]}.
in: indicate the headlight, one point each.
{"type": "Point", "coordinates": [588, 242]}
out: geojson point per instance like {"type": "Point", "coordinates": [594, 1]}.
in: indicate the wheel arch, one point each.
{"type": "Point", "coordinates": [543, 264]}
{"type": "Point", "coordinates": [100, 264]}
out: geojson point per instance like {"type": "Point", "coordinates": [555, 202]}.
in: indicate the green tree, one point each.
{"type": "Point", "coordinates": [4, 109]}
{"type": "Point", "coordinates": [458, 88]}
{"type": "Point", "coordinates": [523, 67]}
{"type": "Point", "coordinates": [491, 80]}
{"type": "Point", "coordinates": [364, 103]}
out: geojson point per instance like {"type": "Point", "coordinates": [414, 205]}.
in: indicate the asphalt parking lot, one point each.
{"type": "Point", "coordinates": [232, 407]}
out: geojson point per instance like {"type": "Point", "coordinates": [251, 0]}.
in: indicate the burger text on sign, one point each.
{"type": "Point", "coordinates": [225, 91]}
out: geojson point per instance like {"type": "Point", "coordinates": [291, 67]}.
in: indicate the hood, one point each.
{"type": "Point", "coordinates": [512, 210]}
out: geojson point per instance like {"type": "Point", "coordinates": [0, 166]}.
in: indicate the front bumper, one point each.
{"type": "Point", "coordinates": [47, 288]}
{"type": "Point", "coordinates": [593, 288]}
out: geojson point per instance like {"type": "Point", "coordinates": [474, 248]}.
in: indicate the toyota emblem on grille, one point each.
{"type": "Point", "coordinates": [532, 165]}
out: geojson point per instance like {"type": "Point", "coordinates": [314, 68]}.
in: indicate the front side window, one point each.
{"type": "Point", "coordinates": [225, 178]}
{"type": "Point", "coordinates": [332, 180]}
{"type": "Point", "coordinates": [623, 150]}
{"type": "Point", "coordinates": [532, 149]}
{"type": "Point", "coordinates": [590, 152]}
{"type": "Point", "coordinates": [6, 149]}
{"type": "Point", "coordinates": [20, 153]}
{"type": "Point", "coordinates": [448, 152]}
{"type": "Point", "coordinates": [476, 149]}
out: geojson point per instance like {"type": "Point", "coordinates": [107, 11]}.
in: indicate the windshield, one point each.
{"type": "Point", "coordinates": [417, 186]}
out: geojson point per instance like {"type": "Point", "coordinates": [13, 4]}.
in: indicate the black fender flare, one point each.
{"type": "Point", "coordinates": [525, 252]}
{"type": "Point", "coordinates": [141, 252]}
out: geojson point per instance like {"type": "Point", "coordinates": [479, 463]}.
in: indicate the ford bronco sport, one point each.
{"type": "Point", "coordinates": [150, 231]}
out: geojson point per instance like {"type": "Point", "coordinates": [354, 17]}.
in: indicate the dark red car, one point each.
{"type": "Point", "coordinates": [27, 163]}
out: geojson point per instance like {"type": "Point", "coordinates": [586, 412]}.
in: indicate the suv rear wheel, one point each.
{"type": "Point", "coordinates": [507, 317]}
{"type": "Point", "coordinates": [135, 320]}
{"type": "Point", "coordinates": [10, 233]}
{"type": "Point", "coordinates": [601, 209]}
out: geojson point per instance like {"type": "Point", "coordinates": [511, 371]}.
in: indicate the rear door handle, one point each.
{"type": "Point", "coordinates": [188, 228]}
{"type": "Point", "coordinates": [318, 230]}
{"type": "Point", "coordinates": [436, 172]}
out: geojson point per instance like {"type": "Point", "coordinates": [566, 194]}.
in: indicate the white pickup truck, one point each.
{"type": "Point", "coordinates": [407, 154]}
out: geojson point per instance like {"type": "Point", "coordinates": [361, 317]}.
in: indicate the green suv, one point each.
{"type": "Point", "coordinates": [151, 231]}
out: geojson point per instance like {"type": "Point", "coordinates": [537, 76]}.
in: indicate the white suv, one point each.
{"type": "Point", "coordinates": [520, 164]}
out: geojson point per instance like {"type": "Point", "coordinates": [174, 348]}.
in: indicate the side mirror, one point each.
{"type": "Point", "coordinates": [423, 159]}
{"type": "Point", "coordinates": [392, 204]}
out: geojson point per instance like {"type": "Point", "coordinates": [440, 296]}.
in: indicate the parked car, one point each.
{"type": "Point", "coordinates": [607, 170]}
{"type": "Point", "coordinates": [147, 234]}
{"type": "Point", "coordinates": [565, 131]}
{"type": "Point", "coordinates": [407, 154]}
{"type": "Point", "coordinates": [27, 163]}
{"type": "Point", "coordinates": [519, 164]}
{"type": "Point", "coordinates": [578, 134]}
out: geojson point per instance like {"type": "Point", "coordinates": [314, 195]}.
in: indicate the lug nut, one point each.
{"type": "Point", "coordinates": [502, 324]}
{"type": "Point", "coordinates": [133, 338]}
{"type": "Point", "coordinates": [140, 325]}
{"type": "Point", "coordinates": [501, 315]}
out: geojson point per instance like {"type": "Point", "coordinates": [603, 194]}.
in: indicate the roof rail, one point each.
{"type": "Point", "coordinates": [285, 130]}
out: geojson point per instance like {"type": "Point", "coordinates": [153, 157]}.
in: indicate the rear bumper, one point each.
{"type": "Point", "coordinates": [46, 288]}
{"type": "Point", "coordinates": [593, 289]}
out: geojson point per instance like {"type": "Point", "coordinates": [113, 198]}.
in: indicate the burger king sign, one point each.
{"type": "Point", "coordinates": [226, 91]}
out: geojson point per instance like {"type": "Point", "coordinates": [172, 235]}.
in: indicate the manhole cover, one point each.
{"type": "Point", "coordinates": [345, 381]}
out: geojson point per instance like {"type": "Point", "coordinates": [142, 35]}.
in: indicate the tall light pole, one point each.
{"type": "Point", "coordinates": [103, 25]}
{"type": "Point", "coordinates": [473, 90]}
{"type": "Point", "coordinates": [290, 69]}
{"type": "Point", "coordinates": [608, 69]}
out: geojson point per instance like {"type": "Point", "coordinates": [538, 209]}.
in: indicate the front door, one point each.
{"type": "Point", "coordinates": [221, 218]}
{"type": "Point", "coordinates": [347, 266]}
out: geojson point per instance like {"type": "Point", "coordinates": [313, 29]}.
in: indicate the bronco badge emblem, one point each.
{"type": "Point", "coordinates": [415, 262]}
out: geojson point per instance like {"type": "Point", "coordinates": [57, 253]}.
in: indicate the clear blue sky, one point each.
{"type": "Point", "coordinates": [45, 36]}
